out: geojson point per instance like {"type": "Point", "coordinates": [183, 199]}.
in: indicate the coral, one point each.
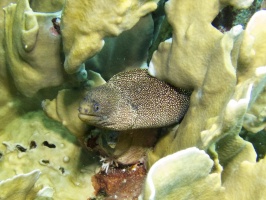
{"type": "Point", "coordinates": [169, 179]}
{"type": "Point", "coordinates": [36, 142]}
{"type": "Point", "coordinates": [238, 159]}
{"type": "Point", "coordinates": [238, 179]}
{"type": "Point", "coordinates": [29, 44]}
{"type": "Point", "coordinates": [228, 82]}
{"type": "Point", "coordinates": [124, 52]}
{"type": "Point", "coordinates": [20, 186]}
{"type": "Point", "coordinates": [254, 120]}
{"type": "Point", "coordinates": [65, 109]}
{"type": "Point", "coordinates": [205, 72]}
{"type": "Point", "coordinates": [82, 39]}
{"type": "Point", "coordinates": [47, 6]}
{"type": "Point", "coordinates": [252, 63]}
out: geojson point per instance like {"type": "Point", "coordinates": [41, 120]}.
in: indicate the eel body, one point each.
{"type": "Point", "coordinates": [133, 100]}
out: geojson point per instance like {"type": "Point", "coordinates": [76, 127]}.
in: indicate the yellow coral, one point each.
{"type": "Point", "coordinates": [228, 78]}
{"type": "Point", "coordinates": [29, 44]}
{"type": "Point", "coordinates": [86, 23]}
{"type": "Point", "coordinates": [199, 58]}
{"type": "Point", "coordinates": [36, 142]}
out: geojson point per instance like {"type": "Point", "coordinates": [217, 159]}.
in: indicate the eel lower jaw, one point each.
{"type": "Point", "coordinates": [90, 119]}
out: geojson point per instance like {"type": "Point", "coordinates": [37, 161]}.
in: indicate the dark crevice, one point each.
{"type": "Point", "coordinates": [45, 161]}
{"type": "Point", "coordinates": [47, 144]}
{"type": "Point", "coordinates": [62, 169]}
{"type": "Point", "coordinates": [33, 144]}
{"type": "Point", "coordinates": [21, 148]}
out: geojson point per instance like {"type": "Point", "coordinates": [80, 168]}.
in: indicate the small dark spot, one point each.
{"type": "Point", "coordinates": [47, 144]}
{"type": "Point", "coordinates": [56, 23]}
{"type": "Point", "coordinates": [62, 169]}
{"type": "Point", "coordinates": [91, 142]}
{"type": "Point", "coordinates": [134, 107]}
{"type": "Point", "coordinates": [33, 144]}
{"type": "Point", "coordinates": [45, 161]}
{"type": "Point", "coordinates": [112, 136]}
{"type": "Point", "coordinates": [21, 148]}
{"type": "Point", "coordinates": [102, 192]}
{"type": "Point", "coordinates": [1, 155]}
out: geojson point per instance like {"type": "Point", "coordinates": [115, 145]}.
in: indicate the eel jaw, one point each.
{"type": "Point", "coordinates": [89, 119]}
{"type": "Point", "coordinates": [98, 121]}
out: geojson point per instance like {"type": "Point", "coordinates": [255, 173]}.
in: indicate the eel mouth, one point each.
{"type": "Point", "coordinates": [98, 121]}
{"type": "Point", "coordinates": [90, 119]}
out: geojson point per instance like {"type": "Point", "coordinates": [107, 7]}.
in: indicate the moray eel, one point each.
{"type": "Point", "coordinates": [133, 100]}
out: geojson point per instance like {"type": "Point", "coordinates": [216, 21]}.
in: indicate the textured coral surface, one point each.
{"type": "Point", "coordinates": [34, 141]}
{"type": "Point", "coordinates": [120, 183]}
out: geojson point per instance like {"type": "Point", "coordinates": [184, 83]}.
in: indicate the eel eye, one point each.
{"type": "Point", "coordinates": [96, 107]}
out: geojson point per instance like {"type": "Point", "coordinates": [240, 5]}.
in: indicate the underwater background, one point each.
{"type": "Point", "coordinates": [132, 99]}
